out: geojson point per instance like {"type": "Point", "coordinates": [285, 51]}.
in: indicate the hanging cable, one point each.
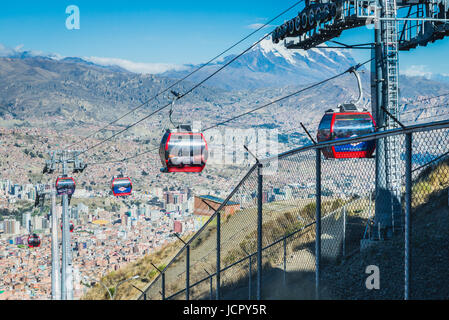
{"type": "Point", "coordinates": [286, 97]}
{"type": "Point", "coordinates": [248, 112]}
{"type": "Point", "coordinates": [188, 75]}
{"type": "Point", "coordinates": [180, 97]}
{"type": "Point", "coordinates": [424, 108]}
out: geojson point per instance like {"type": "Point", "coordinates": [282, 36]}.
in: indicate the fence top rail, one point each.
{"type": "Point", "coordinates": [248, 256]}
{"type": "Point", "coordinates": [234, 190]}
{"type": "Point", "coordinates": [372, 136]}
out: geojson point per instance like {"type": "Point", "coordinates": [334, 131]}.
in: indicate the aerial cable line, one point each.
{"type": "Point", "coordinates": [182, 95]}
{"type": "Point", "coordinates": [432, 116]}
{"type": "Point", "coordinates": [188, 75]}
{"type": "Point", "coordinates": [124, 159]}
{"type": "Point", "coordinates": [288, 96]}
{"type": "Point", "coordinates": [253, 110]}
{"type": "Point", "coordinates": [428, 98]}
{"type": "Point", "coordinates": [178, 98]}
{"type": "Point", "coordinates": [157, 148]}
{"type": "Point", "coordinates": [424, 108]}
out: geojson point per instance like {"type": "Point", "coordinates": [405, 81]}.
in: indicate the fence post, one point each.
{"type": "Point", "coordinates": [285, 261]}
{"type": "Point", "coordinates": [217, 291]}
{"type": "Point", "coordinates": [408, 209]}
{"type": "Point", "coordinates": [249, 278]}
{"type": "Point", "coordinates": [259, 230]}
{"type": "Point", "coordinates": [318, 224]}
{"type": "Point", "coordinates": [211, 288]}
{"type": "Point", "coordinates": [344, 231]}
{"type": "Point", "coordinates": [162, 280]}
{"type": "Point", "coordinates": [188, 272]}
{"type": "Point", "coordinates": [163, 285]}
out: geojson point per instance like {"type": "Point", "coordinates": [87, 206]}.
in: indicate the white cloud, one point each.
{"type": "Point", "coordinates": [417, 71]}
{"type": "Point", "coordinates": [136, 67]}
{"type": "Point", "coordinates": [18, 50]}
{"type": "Point", "coordinates": [4, 51]}
{"type": "Point", "coordinates": [256, 26]}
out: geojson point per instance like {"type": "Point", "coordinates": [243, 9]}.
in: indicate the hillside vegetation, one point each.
{"type": "Point", "coordinates": [142, 268]}
{"type": "Point", "coordinates": [281, 218]}
{"type": "Point", "coordinates": [342, 279]}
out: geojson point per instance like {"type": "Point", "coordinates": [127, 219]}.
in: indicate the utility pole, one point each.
{"type": "Point", "coordinates": [44, 191]}
{"type": "Point", "coordinates": [63, 158]}
{"type": "Point", "coordinates": [55, 272]}
{"type": "Point", "coordinates": [386, 89]}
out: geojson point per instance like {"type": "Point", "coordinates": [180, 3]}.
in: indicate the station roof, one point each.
{"type": "Point", "coordinates": [217, 200]}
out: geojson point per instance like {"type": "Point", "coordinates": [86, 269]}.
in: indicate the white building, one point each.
{"type": "Point", "coordinates": [26, 220]}
{"type": "Point", "coordinates": [11, 226]}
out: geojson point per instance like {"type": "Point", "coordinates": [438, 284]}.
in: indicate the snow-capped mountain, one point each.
{"type": "Point", "coordinates": [272, 65]}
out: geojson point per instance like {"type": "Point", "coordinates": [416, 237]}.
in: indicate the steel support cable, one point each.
{"type": "Point", "coordinates": [169, 104]}
{"type": "Point", "coordinates": [287, 96]}
{"type": "Point", "coordinates": [424, 108]}
{"type": "Point", "coordinates": [429, 98]}
{"type": "Point", "coordinates": [210, 76]}
{"type": "Point", "coordinates": [188, 75]}
{"type": "Point", "coordinates": [233, 118]}
{"type": "Point", "coordinates": [433, 116]}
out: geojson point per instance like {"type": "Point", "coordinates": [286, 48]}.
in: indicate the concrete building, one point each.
{"type": "Point", "coordinates": [206, 206]}
{"type": "Point", "coordinates": [12, 226]}
{"type": "Point", "coordinates": [177, 227]}
{"type": "Point", "coordinates": [26, 220]}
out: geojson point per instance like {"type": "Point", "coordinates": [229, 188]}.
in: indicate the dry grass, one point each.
{"type": "Point", "coordinates": [142, 267]}
{"type": "Point", "coordinates": [277, 225]}
{"type": "Point", "coordinates": [430, 181]}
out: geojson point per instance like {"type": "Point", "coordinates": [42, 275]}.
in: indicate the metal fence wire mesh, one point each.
{"type": "Point", "coordinates": [429, 242]}
{"type": "Point", "coordinates": [288, 208]}
{"type": "Point", "coordinates": [353, 226]}
{"type": "Point", "coordinates": [363, 225]}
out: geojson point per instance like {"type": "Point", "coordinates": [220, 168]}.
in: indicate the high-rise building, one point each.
{"type": "Point", "coordinates": [37, 222]}
{"type": "Point", "coordinates": [26, 219]}
{"type": "Point", "coordinates": [155, 215]}
{"type": "Point", "coordinates": [82, 209]}
{"type": "Point", "coordinates": [45, 223]}
{"type": "Point", "coordinates": [5, 185]}
{"type": "Point", "coordinates": [177, 226]}
{"type": "Point", "coordinates": [12, 226]}
{"type": "Point", "coordinates": [16, 189]}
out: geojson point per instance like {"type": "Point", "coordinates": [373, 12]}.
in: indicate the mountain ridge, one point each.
{"type": "Point", "coordinates": [269, 65]}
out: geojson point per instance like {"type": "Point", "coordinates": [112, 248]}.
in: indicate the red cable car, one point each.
{"type": "Point", "coordinates": [71, 226]}
{"type": "Point", "coordinates": [347, 122]}
{"type": "Point", "coordinates": [34, 241]}
{"type": "Point", "coordinates": [121, 186]}
{"type": "Point", "coordinates": [65, 185]}
{"type": "Point", "coordinates": [183, 150]}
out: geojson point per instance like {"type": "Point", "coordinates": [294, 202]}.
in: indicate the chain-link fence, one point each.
{"type": "Point", "coordinates": [382, 235]}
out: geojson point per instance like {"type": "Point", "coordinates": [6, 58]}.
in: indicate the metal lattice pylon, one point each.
{"type": "Point", "coordinates": [391, 103]}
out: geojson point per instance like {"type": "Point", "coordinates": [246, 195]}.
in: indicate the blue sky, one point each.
{"type": "Point", "coordinates": [172, 32]}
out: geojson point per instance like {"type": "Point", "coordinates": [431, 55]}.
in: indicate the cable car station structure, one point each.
{"type": "Point", "coordinates": [65, 186]}
{"type": "Point", "coordinates": [399, 26]}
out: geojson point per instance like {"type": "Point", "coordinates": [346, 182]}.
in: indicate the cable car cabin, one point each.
{"type": "Point", "coordinates": [346, 123]}
{"type": "Point", "coordinates": [65, 185]}
{"type": "Point", "coordinates": [71, 226]}
{"type": "Point", "coordinates": [183, 150]}
{"type": "Point", "coordinates": [34, 241]}
{"type": "Point", "coordinates": [121, 187]}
